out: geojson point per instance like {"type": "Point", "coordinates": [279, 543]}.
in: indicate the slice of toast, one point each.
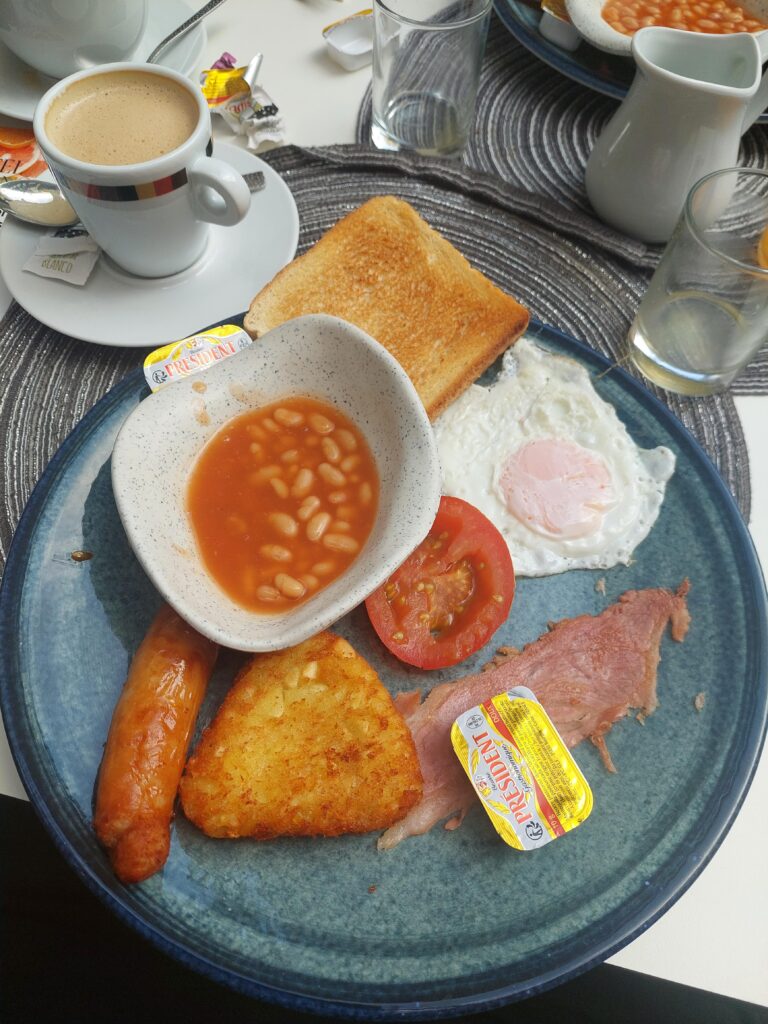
{"type": "Point", "coordinates": [307, 742]}
{"type": "Point", "coordinates": [386, 270]}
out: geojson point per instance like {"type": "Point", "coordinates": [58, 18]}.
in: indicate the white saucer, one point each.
{"type": "Point", "coordinates": [21, 86]}
{"type": "Point", "coordinates": [115, 308]}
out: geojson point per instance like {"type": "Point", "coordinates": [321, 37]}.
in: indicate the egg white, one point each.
{"type": "Point", "coordinates": [539, 396]}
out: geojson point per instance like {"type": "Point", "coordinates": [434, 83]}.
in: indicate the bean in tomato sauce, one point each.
{"type": "Point", "coordinates": [282, 500]}
{"type": "Point", "coordinates": [709, 16]}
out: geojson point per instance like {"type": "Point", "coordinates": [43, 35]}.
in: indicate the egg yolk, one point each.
{"type": "Point", "coordinates": [557, 488]}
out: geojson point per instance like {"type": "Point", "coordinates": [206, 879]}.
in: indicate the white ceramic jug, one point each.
{"type": "Point", "coordinates": [692, 98]}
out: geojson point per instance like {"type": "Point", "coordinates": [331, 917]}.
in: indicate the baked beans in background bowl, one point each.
{"type": "Point", "coordinates": [610, 24]}
{"type": "Point", "coordinates": [268, 496]}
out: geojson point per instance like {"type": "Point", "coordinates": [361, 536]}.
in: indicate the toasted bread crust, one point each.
{"type": "Point", "coordinates": [307, 742]}
{"type": "Point", "coordinates": [387, 271]}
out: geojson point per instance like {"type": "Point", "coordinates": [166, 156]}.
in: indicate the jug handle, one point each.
{"type": "Point", "coordinates": [759, 101]}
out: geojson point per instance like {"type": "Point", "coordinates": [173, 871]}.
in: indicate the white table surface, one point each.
{"type": "Point", "coordinates": [716, 936]}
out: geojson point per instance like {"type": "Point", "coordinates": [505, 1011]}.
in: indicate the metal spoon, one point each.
{"type": "Point", "coordinates": [42, 203]}
{"type": "Point", "coordinates": [36, 202]}
{"type": "Point", "coordinates": [184, 27]}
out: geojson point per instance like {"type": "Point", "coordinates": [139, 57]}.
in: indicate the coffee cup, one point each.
{"type": "Point", "coordinates": [59, 39]}
{"type": "Point", "coordinates": [130, 147]}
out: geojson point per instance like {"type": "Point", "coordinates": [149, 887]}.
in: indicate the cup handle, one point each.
{"type": "Point", "coordinates": [219, 194]}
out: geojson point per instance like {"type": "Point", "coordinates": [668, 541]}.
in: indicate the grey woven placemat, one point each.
{"type": "Point", "coordinates": [535, 129]}
{"type": "Point", "coordinates": [48, 381]}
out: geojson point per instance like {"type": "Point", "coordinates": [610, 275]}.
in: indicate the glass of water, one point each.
{"type": "Point", "coordinates": [705, 314]}
{"type": "Point", "coordinates": [426, 69]}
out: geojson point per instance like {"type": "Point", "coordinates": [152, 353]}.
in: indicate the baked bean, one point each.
{"type": "Point", "coordinates": [309, 506]}
{"type": "Point", "coordinates": [338, 497]}
{"type": "Point", "coordinates": [276, 552]}
{"type": "Point", "coordinates": [303, 482]}
{"type": "Point", "coordinates": [321, 424]}
{"type": "Point", "coordinates": [310, 582]}
{"type": "Point", "coordinates": [289, 586]}
{"type": "Point", "coordinates": [292, 455]}
{"type": "Point", "coordinates": [236, 525]}
{"type": "Point", "coordinates": [340, 542]}
{"type": "Point", "coordinates": [340, 526]}
{"type": "Point", "coordinates": [365, 492]}
{"type": "Point", "coordinates": [256, 449]}
{"type": "Point", "coordinates": [279, 486]}
{"type": "Point", "coordinates": [317, 526]}
{"type": "Point", "coordinates": [270, 425]}
{"type": "Point", "coordinates": [324, 568]}
{"type": "Point", "coordinates": [346, 439]}
{"type": "Point", "coordinates": [331, 450]}
{"type": "Point", "coordinates": [284, 523]}
{"type": "Point", "coordinates": [288, 417]}
{"type": "Point", "coordinates": [331, 475]}
{"type": "Point", "coordinates": [349, 463]}
{"type": "Point", "coordinates": [269, 594]}
{"type": "Point", "coordinates": [261, 476]}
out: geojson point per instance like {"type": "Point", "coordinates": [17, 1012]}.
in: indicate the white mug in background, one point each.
{"type": "Point", "coordinates": [152, 216]}
{"type": "Point", "coordinates": [59, 39]}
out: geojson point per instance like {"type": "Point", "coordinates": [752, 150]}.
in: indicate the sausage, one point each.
{"type": "Point", "coordinates": [147, 743]}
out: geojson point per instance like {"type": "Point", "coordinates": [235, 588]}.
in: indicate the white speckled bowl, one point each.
{"type": "Point", "coordinates": [158, 444]}
{"type": "Point", "coordinates": [588, 21]}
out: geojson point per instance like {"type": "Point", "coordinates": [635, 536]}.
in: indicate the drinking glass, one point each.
{"type": "Point", "coordinates": [705, 314]}
{"type": "Point", "coordinates": [426, 69]}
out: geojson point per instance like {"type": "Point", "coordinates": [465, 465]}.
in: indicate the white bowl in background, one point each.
{"type": "Point", "coordinates": [158, 445]}
{"type": "Point", "coordinates": [589, 22]}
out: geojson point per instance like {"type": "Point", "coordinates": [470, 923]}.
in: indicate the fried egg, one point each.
{"type": "Point", "coordinates": [552, 465]}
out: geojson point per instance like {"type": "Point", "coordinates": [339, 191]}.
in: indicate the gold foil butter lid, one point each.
{"type": "Point", "coordinates": [525, 776]}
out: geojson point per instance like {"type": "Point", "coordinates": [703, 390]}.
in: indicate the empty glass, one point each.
{"type": "Point", "coordinates": [426, 68]}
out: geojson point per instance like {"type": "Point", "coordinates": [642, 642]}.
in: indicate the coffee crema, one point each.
{"type": "Point", "coordinates": [121, 117]}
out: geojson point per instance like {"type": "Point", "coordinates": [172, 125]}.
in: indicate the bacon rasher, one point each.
{"type": "Point", "coordinates": [588, 672]}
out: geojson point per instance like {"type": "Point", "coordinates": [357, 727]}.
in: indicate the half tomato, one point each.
{"type": "Point", "coordinates": [450, 595]}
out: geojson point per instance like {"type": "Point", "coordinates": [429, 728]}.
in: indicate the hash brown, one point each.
{"type": "Point", "coordinates": [307, 742]}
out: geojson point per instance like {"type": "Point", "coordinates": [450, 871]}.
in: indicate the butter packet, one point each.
{"type": "Point", "coordinates": [555, 25]}
{"type": "Point", "coordinates": [191, 355]}
{"type": "Point", "coordinates": [350, 40]}
{"type": "Point", "coordinates": [527, 780]}
{"type": "Point", "coordinates": [232, 93]}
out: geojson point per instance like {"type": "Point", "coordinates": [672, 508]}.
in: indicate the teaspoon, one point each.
{"type": "Point", "coordinates": [36, 202]}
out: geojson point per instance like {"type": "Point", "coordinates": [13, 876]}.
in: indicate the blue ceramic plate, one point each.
{"type": "Point", "coordinates": [603, 72]}
{"type": "Point", "coordinates": [447, 922]}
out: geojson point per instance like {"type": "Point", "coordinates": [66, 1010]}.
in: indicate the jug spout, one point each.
{"type": "Point", "coordinates": [697, 60]}
{"type": "Point", "coordinates": [682, 118]}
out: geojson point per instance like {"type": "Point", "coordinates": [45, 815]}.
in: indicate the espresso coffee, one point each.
{"type": "Point", "coordinates": [121, 117]}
